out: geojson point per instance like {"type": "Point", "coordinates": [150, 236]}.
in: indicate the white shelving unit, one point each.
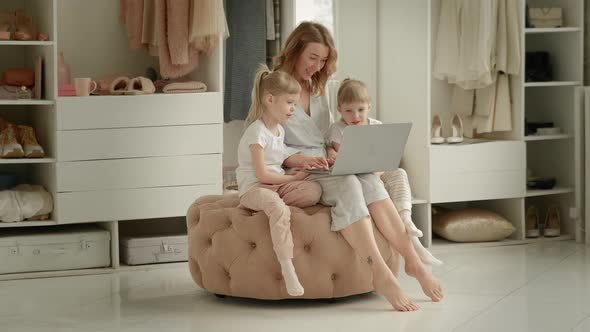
{"type": "Point", "coordinates": [488, 173]}
{"type": "Point", "coordinates": [113, 161]}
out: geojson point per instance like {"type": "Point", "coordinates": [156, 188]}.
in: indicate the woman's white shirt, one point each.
{"type": "Point", "coordinates": [307, 133]}
{"type": "Point", "coordinates": [274, 149]}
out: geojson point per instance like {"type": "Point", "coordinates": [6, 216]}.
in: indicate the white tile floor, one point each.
{"type": "Point", "coordinates": [539, 287]}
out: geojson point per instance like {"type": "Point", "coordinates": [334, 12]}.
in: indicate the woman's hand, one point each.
{"type": "Point", "coordinates": [314, 162]}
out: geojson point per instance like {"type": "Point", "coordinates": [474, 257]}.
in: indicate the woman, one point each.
{"type": "Point", "coordinates": [310, 57]}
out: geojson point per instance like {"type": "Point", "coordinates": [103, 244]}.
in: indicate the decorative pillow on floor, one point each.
{"type": "Point", "coordinates": [471, 225]}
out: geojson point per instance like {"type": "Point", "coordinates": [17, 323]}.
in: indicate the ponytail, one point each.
{"type": "Point", "coordinates": [266, 81]}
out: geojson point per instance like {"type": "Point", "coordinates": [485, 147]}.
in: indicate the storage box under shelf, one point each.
{"type": "Point", "coordinates": [52, 248]}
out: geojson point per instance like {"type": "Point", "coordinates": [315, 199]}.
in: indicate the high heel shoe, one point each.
{"type": "Point", "coordinates": [532, 222]}
{"type": "Point", "coordinates": [436, 137]}
{"type": "Point", "coordinates": [552, 223]}
{"type": "Point", "coordinates": [457, 125]}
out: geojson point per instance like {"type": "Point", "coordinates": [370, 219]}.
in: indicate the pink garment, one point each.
{"type": "Point", "coordinates": [134, 20]}
{"type": "Point", "coordinates": [169, 40]}
{"type": "Point", "coordinates": [178, 25]}
{"type": "Point", "coordinates": [274, 201]}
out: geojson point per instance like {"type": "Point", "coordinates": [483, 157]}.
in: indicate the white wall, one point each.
{"type": "Point", "coordinates": [98, 41]}
{"type": "Point", "coordinates": [403, 84]}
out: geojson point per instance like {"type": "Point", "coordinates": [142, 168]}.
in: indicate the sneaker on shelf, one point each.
{"type": "Point", "coordinates": [31, 148]}
{"type": "Point", "coordinates": [552, 223]}
{"type": "Point", "coordinates": [9, 146]}
{"type": "Point", "coordinates": [532, 222]}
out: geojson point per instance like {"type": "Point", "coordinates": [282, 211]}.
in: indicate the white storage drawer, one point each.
{"type": "Point", "coordinates": [139, 111]}
{"type": "Point", "coordinates": [139, 172]}
{"type": "Point", "coordinates": [126, 204]}
{"type": "Point", "coordinates": [137, 250]}
{"type": "Point", "coordinates": [139, 142]}
{"type": "Point", "coordinates": [478, 171]}
{"type": "Point", "coordinates": [54, 248]}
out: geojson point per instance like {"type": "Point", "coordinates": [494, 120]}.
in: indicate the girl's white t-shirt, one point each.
{"type": "Point", "coordinates": [274, 149]}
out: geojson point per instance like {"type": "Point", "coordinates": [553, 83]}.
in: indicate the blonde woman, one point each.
{"type": "Point", "coordinates": [262, 182]}
{"type": "Point", "coordinates": [310, 57]}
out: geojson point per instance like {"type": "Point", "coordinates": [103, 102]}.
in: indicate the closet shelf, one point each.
{"type": "Point", "coordinates": [547, 192]}
{"type": "Point", "coordinates": [28, 223]}
{"type": "Point", "coordinates": [552, 30]}
{"type": "Point", "coordinates": [25, 43]}
{"type": "Point", "coordinates": [442, 245]}
{"type": "Point", "coordinates": [547, 137]}
{"type": "Point", "coordinates": [26, 102]}
{"type": "Point", "coordinates": [27, 160]}
{"type": "Point", "coordinates": [416, 201]}
{"type": "Point", "coordinates": [551, 83]}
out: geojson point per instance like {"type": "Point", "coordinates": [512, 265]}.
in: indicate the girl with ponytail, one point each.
{"type": "Point", "coordinates": [263, 185]}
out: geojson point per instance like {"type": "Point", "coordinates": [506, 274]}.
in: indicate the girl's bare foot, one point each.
{"type": "Point", "coordinates": [386, 285]}
{"type": "Point", "coordinates": [430, 285]}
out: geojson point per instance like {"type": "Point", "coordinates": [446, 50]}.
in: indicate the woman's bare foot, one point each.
{"type": "Point", "coordinates": [386, 285]}
{"type": "Point", "coordinates": [430, 285]}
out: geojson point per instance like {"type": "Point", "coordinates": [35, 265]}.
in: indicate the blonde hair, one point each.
{"type": "Point", "coordinates": [274, 82]}
{"type": "Point", "coordinates": [305, 33]}
{"type": "Point", "coordinates": [353, 91]}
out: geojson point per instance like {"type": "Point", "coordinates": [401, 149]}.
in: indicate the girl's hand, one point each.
{"type": "Point", "coordinates": [315, 162]}
{"type": "Point", "coordinates": [332, 157]}
{"type": "Point", "coordinates": [300, 175]}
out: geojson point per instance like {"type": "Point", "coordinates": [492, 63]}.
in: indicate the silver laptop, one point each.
{"type": "Point", "coordinates": [367, 149]}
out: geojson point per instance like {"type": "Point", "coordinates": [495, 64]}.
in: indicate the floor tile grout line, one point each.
{"type": "Point", "coordinates": [512, 292]}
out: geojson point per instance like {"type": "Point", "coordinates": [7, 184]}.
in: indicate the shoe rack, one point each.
{"type": "Point", "coordinates": [112, 160]}
{"type": "Point", "coordinates": [489, 171]}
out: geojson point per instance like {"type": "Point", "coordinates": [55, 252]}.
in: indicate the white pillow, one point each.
{"type": "Point", "coordinates": [471, 225]}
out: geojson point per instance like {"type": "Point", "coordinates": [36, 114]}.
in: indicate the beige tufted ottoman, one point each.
{"type": "Point", "coordinates": [230, 253]}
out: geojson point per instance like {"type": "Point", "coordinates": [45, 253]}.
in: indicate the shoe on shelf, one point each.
{"type": "Point", "coordinates": [457, 126]}
{"type": "Point", "coordinates": [552, 223]}
{"type": "Point", "coordinates": [532, 222]}
{"type": "Point", "coordinates": [25, 29]}
{"type": "Point", "coordinates": [26, 138]}
{"type": "Point", "coordinates": [9, 146]}
{"type": "Point", "coordinates": [6, 25]}
{"type": "Point", "coordinates": [119, 85]}
{"type": "Point", "coordinates": [436, 137]}
{"type": "Point", "coordinates": [140, 85]}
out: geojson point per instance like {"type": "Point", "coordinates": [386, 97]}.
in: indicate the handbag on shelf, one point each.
{"type": "Point", "coordinates": [538, 67]}
{"type": "Point", "coordinates": [18, 77]}
{"type": "Point", "coordinates": [547, 17]}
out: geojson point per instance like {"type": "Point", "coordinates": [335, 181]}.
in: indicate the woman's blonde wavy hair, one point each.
{"type": "Point", "coordinates": [274, 82]}
{"type": "Point", "coordinates": [305, 33]}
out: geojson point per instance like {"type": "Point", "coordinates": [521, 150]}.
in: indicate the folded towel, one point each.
{"type": "Point", "coordinates": [185, 87]}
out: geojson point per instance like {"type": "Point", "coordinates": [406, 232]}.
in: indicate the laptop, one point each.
{"type": "Point", "coordinates": [367, 149]}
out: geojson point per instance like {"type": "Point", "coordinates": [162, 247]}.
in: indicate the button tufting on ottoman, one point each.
{"type": "Point", "coordinates": [230, 253]}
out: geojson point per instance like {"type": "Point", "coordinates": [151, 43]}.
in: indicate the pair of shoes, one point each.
{"type": "Point", "coordinates": [17, 141]}
{"type": "Point", "coordinates": [552, 222]}
{"type": "Point", "coordinates": [16, 25]}
{"type": "Point", "coordinates": [137, 86]}
{"type": "Point", "coordinates": [436, 132]}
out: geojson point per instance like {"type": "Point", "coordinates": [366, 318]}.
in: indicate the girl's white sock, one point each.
{"type": "Point", "coordinates": [425, 256]}
{"type": "Point", "coordinates": [294, 287]}
{"type": "Point", "coordinates": [411, 229]}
